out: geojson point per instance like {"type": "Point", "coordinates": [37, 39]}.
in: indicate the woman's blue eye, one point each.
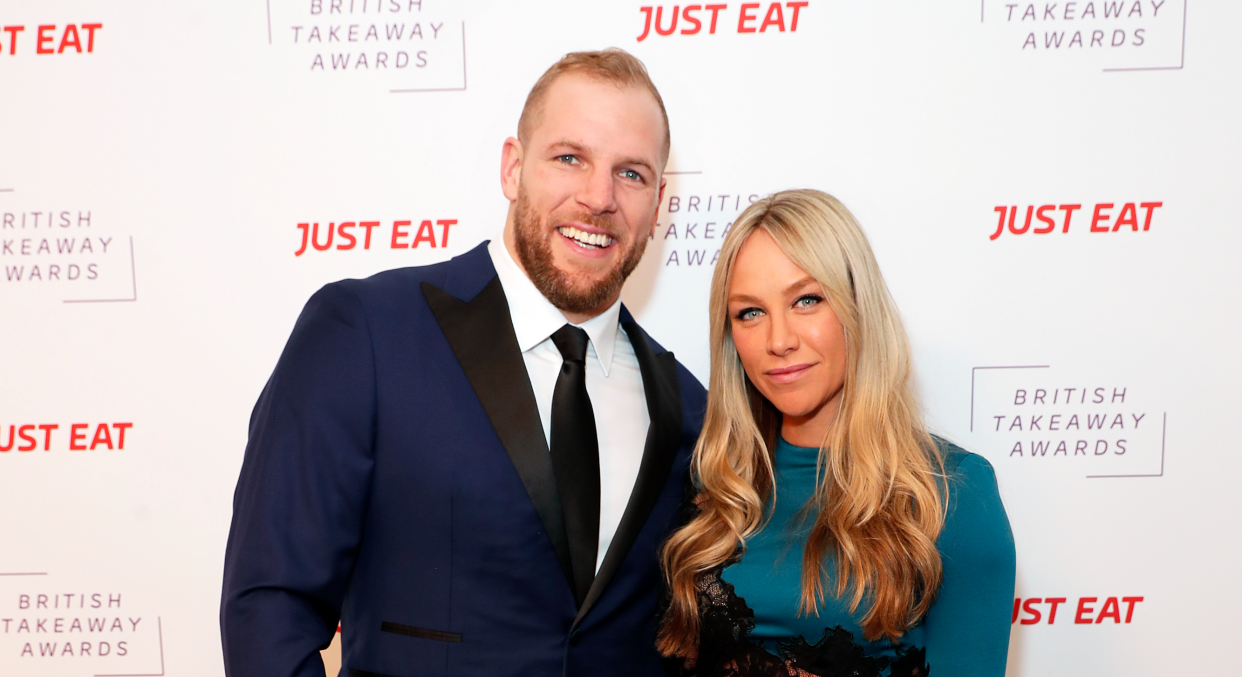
{"type": "Point", "coordinates": [807, 301]}
{"type": "Point", "coordinates": [748, 314]}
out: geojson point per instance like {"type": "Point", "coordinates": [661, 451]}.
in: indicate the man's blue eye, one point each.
{"type": "Point", "coordinates": [631, 174]}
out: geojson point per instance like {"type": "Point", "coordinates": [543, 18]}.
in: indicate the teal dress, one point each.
{"type": "Point", "coordinates": [966, 631]}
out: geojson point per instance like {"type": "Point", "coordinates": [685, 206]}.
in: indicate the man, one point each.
{"type": "Point", "coordinates": [472, 465]}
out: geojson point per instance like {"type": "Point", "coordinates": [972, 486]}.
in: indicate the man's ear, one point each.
{"type": "Point", "coordinates": [659, 201]}
{"type": "Point", "coordinates": [511, 168]}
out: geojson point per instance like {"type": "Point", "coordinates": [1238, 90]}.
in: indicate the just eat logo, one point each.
{"type": "Point", "coordinates": [1130, 217]}
{"type": "Point", "coordinates": [49, 39]}
{"type": "Point", "coordinates": [80, 436]}
{"type": "Point", "coordinates": [1086, 612]}
{"type": "Point", "coordinates": [751, 18]}
{"type": "Point", "coordinates": [403, 234]}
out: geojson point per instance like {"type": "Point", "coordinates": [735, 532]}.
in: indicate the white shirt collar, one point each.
{"type": "Point", "coordinates": [535, 319]}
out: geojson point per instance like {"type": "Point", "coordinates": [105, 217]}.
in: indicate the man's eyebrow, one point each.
{"type": "Point", "coordinates": [636, 161]}
{"type": "Point", "coordinates": [573, 145]}
{"type": "Point", "coordinates": [579, 148]}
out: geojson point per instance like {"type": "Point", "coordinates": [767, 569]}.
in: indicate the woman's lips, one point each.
{"type": "Point", "coordinates": [788, 374]}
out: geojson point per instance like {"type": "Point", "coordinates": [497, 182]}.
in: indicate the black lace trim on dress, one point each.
{"type": "Point", "coordinates": [725, 649]}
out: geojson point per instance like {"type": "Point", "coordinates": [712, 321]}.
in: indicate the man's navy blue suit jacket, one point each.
{"type": "Point", "coordinates": [397, 479]}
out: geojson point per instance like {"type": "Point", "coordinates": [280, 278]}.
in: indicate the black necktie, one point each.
{"type": "Point", "coordinates": [575, 457]}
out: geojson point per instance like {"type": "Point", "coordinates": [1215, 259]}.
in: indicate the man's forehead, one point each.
{"type": "Point", "coordinates": [586, 111]}
{"type": "Point", "coordinates": [583, 79]}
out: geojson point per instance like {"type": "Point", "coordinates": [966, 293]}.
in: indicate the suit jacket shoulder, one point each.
{"type": "Point", "coordinates": [463, 276]}
{"type": "Point", "coordinates": [694, 396]}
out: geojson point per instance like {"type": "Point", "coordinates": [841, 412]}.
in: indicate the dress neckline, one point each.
{"type": "Point", "coordinates": [792, 457]}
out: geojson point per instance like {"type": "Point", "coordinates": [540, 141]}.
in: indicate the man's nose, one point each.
{"type": "Point", "coordinates": [598, 191]}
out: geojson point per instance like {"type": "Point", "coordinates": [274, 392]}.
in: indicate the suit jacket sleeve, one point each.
{"type": "Point", "coordinates": [302, 495]}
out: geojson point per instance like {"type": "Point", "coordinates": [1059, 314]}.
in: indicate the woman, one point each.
{"type": "Point", "coordinates": [831, 535]}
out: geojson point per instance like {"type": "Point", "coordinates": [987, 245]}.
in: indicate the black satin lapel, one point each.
{"type": "Point", "coordinates": [663, 392]}
{"type": "Point", "coordinates": [481, 335]}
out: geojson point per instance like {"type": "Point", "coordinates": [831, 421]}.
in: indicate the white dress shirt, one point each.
{"type": "Point", "coordinates": [613, 382]}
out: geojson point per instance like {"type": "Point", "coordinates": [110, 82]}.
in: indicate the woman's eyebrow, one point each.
{"type": "Point", "coordinates": [799, 284]}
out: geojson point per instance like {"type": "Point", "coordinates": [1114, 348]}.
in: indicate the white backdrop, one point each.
{"type": "Point", "coordinates": [176, 148]}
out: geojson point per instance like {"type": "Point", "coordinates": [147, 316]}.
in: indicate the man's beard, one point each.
{"type": "Point", "coordinates": [533, 240]}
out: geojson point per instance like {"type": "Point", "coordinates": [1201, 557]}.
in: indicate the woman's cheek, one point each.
{"type": "Point", "coordinates": [746, 347]}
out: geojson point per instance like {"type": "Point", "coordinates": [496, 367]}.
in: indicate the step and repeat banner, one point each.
{"type": "Point", "coordinates": [1050, 188]}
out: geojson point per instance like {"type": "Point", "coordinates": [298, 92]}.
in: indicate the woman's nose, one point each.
{"type": "Point", "coordinates": [782, 339]}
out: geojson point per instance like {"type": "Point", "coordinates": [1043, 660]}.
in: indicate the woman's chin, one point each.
{"type": "Point", "coordinates": [796, 412]}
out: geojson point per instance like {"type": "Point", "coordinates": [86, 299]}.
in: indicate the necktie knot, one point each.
{"type": "Point", "coordinates": [572, 342]}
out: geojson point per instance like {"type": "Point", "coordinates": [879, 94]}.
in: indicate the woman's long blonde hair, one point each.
{"type": "Point", "coordinates": [880, 501]}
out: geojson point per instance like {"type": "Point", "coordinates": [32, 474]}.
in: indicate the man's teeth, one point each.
{"type": "Point", "coordinates": [585, 238]}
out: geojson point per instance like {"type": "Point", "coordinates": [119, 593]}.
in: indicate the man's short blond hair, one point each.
{"type": "Point", "coordinates": [612, 65]}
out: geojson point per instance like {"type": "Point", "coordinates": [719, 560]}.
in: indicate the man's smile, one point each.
{"type": "Point", "coordinates": [585, 239]}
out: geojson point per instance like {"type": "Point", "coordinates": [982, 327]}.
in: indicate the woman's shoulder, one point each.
{"type": "Point", "coordinates": [959, 463]}
{"type": "Point", "coordinates": [975, 524]}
